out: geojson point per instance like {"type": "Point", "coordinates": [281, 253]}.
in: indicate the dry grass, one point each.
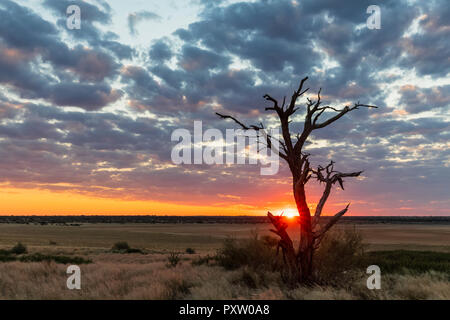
{"type": "Point", "coordinates": [202, 237]}
{"type": "Point", "coordinates": [153, 280]}
{"type": "Point", "coordinates": [114, 275]}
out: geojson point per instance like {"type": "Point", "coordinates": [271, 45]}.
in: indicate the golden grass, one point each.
{"type": "Point", "coordinates": [154, 280]}
{"type": "Point", "coordinates": [146, 276]}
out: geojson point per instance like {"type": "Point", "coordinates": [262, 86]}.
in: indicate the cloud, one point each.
{"type": "Point", "coordinates": [425, 99]}
{"type": "Point", "coordinates": [226, 60]}
{"type": "Point", "coordinates": [160, 51]}
{"type": "Point", "coordinates": [89, 32]}
{"type": "Point", "coordinates": [75, 76]}
{"type": "Point", "coordinates": [136, 17]}
{"type": "Point", "coordinates": [87, 96]}
{"type": "Point", "coordinates": [427, 50]}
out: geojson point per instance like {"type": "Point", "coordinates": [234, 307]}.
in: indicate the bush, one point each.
{"type": "Point", "coordinates": [38, 257]}
{"type": "Point", "coordinates": [7, 258]}
{"type": "Point", "coordinates": [338, 255]}
{"type": "Point", "coordinates": [255, 253]}
{"type": "Point", "coordinates": [19, 248]}
{"type": "Point", "coordinates": [121, 246]}
{"type": "Point", "coordinates": [339, 252]}
{"type": "Point", "coordinates": [173, 259]}
{"type": "Point", "coordinates": [134, 250]}
{"type": "Point", "coordinates": [190, 251]}
{"type": "Point", "coordinates": [4, 252]}
{"type": "Point", "coordinates": [124, 247]}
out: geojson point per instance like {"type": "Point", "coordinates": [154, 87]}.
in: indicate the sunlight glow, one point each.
{"type": "Point", "coordinates": [290, 213]}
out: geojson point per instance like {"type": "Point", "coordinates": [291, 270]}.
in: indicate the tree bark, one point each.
{"type": "Point", "coordinates": [306, 246]}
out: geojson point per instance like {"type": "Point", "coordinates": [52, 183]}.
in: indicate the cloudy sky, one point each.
{"type": "Point", "coordinates": [86, 115]}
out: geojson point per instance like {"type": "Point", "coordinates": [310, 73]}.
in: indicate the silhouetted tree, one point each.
{"type": "Point", "coordinates": [300, 261]}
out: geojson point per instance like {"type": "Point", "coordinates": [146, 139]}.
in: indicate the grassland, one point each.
{"type": "Point", "coordinates": [147, 275]}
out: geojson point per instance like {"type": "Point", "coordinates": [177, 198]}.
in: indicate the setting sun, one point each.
{"type": "Point", "coordinates": [290, 213]}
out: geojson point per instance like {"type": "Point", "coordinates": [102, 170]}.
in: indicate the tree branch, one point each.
{"type": "Point", "coordinates": [341, 113]}
{"type": "Point", "coordinates": [331, 223]}
{"type": "Point", "coordinates": [264, 133]}
{"type": "Point", "coordinates": [329, 176]}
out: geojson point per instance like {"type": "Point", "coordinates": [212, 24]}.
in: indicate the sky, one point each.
{"type": "Point", "coordinates": [86, 116]}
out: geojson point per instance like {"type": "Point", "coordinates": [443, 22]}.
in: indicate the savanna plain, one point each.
{"type": "Point", "coordinates": [218, 261]}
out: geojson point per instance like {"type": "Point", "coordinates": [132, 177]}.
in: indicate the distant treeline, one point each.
{"type": "Point", "coordinates": [77, 220]}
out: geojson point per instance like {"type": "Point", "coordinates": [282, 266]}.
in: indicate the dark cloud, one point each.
{"type": "Point", "coordinates": [160, 51]}
{"type": "Point", "coordinates": [23, 29]}
{"type": "Point", "coordinates": [418, 100]}
{"type": "Point", "coordinates": [86, 96]}
{"type": "Point", "coordinates": [196, 59]}
{"type": "Point", "coordinates": [88, 64]}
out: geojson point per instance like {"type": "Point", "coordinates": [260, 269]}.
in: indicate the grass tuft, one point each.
{"type": "Point", "coordinates": [173, 259]}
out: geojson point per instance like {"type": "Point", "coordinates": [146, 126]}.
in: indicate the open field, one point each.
{"type": "Point", "coordinates": [113, 275]}
{"type": "Point", "coordinates": [205, 237]}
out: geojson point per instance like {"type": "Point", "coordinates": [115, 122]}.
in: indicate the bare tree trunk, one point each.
{"type": "Point", "coordinates": [306, 246]}
{"type": "Point", "coordinates": [300, 262]}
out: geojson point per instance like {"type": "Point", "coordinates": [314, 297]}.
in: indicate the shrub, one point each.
{"type": "Point", "coordinates": [190, 251]}
{"type": "Point", "coordinates": [121, 246]}
{"type": "Point", "coordinates": [254, 253]}
{"type": "Point", "coordinates": [38, 257]}
{"type": "Point", "coordinates": [7, 258]}
{"type": "Point", "coordinates": [339, 252]}
{"type": "Point", "coordinates": [134, 250]}
{"type": "Point", "coordinates": [335, 261]}
{"type": "Point", "coordinates": [173, 259]}
{"type": "Point", "coordinates": [19, 248]}
{"type": "Point", "coordinates": [52, 243]}
{"type": "Point", "coordinates": [124, 247]}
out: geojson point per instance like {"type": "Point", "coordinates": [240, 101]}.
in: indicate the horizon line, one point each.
{"type": "Point", "coordinates": [168, 215]}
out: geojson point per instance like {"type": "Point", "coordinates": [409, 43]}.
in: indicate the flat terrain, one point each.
{"type": "Point", "coordinates": [205, 237]}
{"type": "Point", "coordinates": [149, 275]}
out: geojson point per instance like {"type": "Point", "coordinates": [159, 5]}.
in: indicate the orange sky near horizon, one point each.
{"type": "Point", "coordinates": [15, 201]}
{"type": "Point", "coordinates": [18, 201]}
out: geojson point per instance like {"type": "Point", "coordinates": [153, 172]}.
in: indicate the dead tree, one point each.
{"type": "Point", "coordinates": [300, 261]}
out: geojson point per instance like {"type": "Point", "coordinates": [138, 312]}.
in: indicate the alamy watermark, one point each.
{"type": "Point", "coordinates": [237, 147]}
{"type": "Point", "coordinates": [374, 20]}
{"type": "Point", "coordinates": [74, 280]}
{"type": "Point", "coordinates": [73, 17]}
{"type": "Point", "coordinates": [373, 281]}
